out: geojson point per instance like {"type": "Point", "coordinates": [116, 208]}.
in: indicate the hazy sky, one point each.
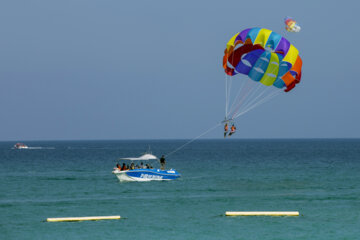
{"type": "Point", "coordinates": [110, 69]}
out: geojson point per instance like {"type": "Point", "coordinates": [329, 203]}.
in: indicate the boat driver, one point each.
{"type": "Point", "coordinates": [162, 162]}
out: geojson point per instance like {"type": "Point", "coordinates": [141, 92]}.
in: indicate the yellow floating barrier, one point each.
{"type": "Point", "coordinates": [262, 213]}
{"type": "Point", "coordinates": [74, 219]}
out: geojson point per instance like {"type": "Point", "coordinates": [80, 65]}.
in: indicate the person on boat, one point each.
{"type": "Point", "coordinates": [232, 130]}
{"type": "Point", "coordinates": [226, 129]}
{"type": "Point", "coordinates": [132, 166]}
{"type": "Point", "coordinates": [123, 168]}
{"type": "Point", "coordinates": [142, 166]}
{"type": "Point", "coordinates": [118, 166]}
{"type": "Point", "coordinates": [162, 162]}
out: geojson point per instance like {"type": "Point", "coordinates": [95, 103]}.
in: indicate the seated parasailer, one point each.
{"type": "Point", "coordinates": [226, 129]}
{"type": "Point", "coordinates": [232, 130]}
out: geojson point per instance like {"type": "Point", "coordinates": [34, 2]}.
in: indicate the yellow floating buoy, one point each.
{"type": "Point", "coordinates": [74, 219]}
{"type": "Point", "coordinates": [262, 213]}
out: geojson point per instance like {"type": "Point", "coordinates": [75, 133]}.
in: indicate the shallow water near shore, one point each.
{"type": "Point", "coordinates": [318, 178]}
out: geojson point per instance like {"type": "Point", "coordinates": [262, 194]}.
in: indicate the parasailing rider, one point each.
{"type": "Point", "coordinates": [232, 130]}
{"type": "Point", "coordinates": [226, 129]}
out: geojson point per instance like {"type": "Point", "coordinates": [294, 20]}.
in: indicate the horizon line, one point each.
{"type": "Point", "coordinates": [186, 139]}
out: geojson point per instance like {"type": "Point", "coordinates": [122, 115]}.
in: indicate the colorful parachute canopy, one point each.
{"type": "Point", "coordinates": [291, 25]}
{"type": "Point", "coordinates": [265, 57]}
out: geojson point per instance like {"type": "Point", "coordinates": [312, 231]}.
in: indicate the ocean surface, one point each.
{"type": "Point", "coordinates": [318, 178]}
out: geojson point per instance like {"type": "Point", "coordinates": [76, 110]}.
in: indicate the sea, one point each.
{"type": "Point", "coordinates": [320, 178]}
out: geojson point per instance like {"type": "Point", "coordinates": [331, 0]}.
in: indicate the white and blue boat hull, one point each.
{"type": "Point", "coordinates": [145, 175]}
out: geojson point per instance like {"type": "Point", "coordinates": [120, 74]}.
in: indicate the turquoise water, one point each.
{"type": "Point", "coordinates": [318, 178]}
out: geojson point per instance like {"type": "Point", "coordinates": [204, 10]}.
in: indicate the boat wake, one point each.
{"type": "Point", "coordinates": [37, 148]}
{"type": "Point", "coordinates": [41, 148]}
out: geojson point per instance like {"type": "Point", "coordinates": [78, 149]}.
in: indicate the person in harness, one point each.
{"type": "Point", "coordinates": [226, 129]}
{"type": "Point", "coordinates": [232, 130]}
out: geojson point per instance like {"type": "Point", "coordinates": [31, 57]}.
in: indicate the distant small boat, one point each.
{"type": "Point", "coordinates": [144, 173]}
{"type": "Point", "coordinates": [20, 146]}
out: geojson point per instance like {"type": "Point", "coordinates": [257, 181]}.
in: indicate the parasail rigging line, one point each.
{"type": "Point", "coordinates": [252, 90]}
{"type": "Point", "coordinates": [264, 100]}
{"type": "Point", "coordinates": [240, 96]}
{"type": "Point", "coordinates": [254, 98]}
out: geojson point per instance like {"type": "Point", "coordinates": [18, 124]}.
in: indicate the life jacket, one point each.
{"type": "Point", "coordinates": [233, 128]}
{"type": "Point", "coordinates": [226, 128]}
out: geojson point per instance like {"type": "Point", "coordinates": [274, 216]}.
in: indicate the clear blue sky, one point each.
{"type": "Point", "coordinates": [109, 69]}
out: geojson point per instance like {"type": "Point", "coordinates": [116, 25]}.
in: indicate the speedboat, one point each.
{"type": "Point", "coordinates": [143, 173]}
{"type": "Point", "coordinates": [20, 146]}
